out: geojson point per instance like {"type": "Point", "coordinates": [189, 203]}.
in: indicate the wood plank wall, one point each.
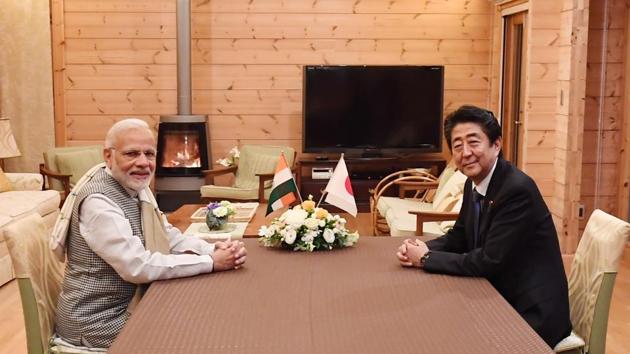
{"type": "Point", "coordinates": [604, 112]}
{"type": "Point", "coordinates": [119, 58]}
{"type": "Point", "coordinates": [541, 89]}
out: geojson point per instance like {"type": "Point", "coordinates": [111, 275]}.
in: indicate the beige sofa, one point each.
{"type": "Point", "coordinates": [25, 198]}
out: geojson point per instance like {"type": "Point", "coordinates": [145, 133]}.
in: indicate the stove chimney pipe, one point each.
{"type": "Point", "coordinates": [184, 85]}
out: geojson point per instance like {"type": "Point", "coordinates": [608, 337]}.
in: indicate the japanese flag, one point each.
{"type": "Point", "coordinates": [339, 189]}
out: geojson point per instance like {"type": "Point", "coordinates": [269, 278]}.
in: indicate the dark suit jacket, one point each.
{"type": "Point", "coordinates": [518, 251]}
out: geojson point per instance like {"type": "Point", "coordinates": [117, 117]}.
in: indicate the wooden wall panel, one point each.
{"type": "Point", "coordinates": [280, 6]}
{"type": "Point", "coordinates": [119, 58]}
{"type": "Point", "coordinates": [604, 112]}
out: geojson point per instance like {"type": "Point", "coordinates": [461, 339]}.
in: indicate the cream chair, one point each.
{"type": "Point", "coordinates": [64, 166]}
{"type": "Point", "coordinates": [39, 275]}
{"type": "Point", "coordinates": [591, 283]}
{"type": "Point", "coordinates": [253, 174]}
{"type": "Point", "coordinates": [429, 212]}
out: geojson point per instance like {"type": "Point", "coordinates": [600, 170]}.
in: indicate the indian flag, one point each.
{"type": "Point", "coordinates": [284, 188]}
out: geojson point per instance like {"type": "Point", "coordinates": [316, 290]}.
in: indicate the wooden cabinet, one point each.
{"type": "Point", "coordinates": [365, 173]}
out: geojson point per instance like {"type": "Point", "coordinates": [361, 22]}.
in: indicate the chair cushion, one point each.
{"type": "Point", "coordinates": [401, 223]}
{"type": "Point", "coordinates": [444, 177]}
{"type": "Point", "coordinates": [404, 224]}
{"type": "Point", "coordinates": [599, 251]}
{"type": "Point", "coordinates": [573, 341]}
{"type": "Point", "coordinates": [385, 203]}
{"type": "Point", "coordinates": [25, 181]}
{"type": "Point", "coordinates": [38, 271]}
{"type": "Point", "coordinates": [452, 187]}
{"type": "Point", "coordinates": [5, 184]}
{"type": "Point", "coordinates": [259, 159]}
{"type": "Point", "coordinates": [50, 160]}
{"type": "Point", "coordinates": [76, 163]}
{"type": "Point", "coordinates": [17, 204]}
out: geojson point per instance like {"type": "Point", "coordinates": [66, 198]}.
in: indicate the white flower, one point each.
{"type": "Point", "coordinates": [295, 217]}
{"type": "Point", "coordinates": [289, 236]}
{"type": "Point", "coordinates": [235, 152]}
{"type": "Point", "coordinates": [263, 231]}
{"type": "Point", "coordinates": [224, 162]}
{"type": "Point", "coordinates": [329, 236]}
{"type": "Point", "coordinates": [351, 239]}
{"type": "Point", "coordinates": [220, 211]}
{"type": "Point", "coordinates": [312, 223]}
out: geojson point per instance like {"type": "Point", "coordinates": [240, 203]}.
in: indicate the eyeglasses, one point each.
{"type": "Point", "coordinates": [131, 155]}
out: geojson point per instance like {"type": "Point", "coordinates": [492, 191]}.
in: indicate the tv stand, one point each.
{"type": "Point", "coordinates": [365, 173]}
{"type": "Point", "coordinates": [371, 153]}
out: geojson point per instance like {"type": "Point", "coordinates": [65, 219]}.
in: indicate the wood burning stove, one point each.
{"type": "Point", "coordinates": [183, 148]}
{"type": "Point", "coordinates": [183, 139]}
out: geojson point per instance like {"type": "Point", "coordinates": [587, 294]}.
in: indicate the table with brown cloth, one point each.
{"type": "Point", "coordinates": [354, 300]}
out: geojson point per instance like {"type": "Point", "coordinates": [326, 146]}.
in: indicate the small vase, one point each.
{"type": "Point", "coordinates": [214, 222]}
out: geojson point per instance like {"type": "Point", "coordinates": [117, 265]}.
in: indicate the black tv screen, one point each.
{"type": "Point", "coordinates": [364, 108]}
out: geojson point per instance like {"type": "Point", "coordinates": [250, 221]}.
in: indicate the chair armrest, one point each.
{"type": "Point", "coordinates": [262, 178]}
{"type": "Point", "coordinates": [64, 179]}
{"type": "Point", "coordinates": [406, 186]}
{"type": "Point", "coordinates": [210, 174]}
{"type": "Point", "coordinates": [425, 216]}
{"type": "Point", "coordinates": [25, 181]}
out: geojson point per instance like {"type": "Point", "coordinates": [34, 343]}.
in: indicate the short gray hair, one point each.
{"type": "Point", "coordinates": [121, 126]}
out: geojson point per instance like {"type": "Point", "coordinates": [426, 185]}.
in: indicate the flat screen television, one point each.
{"type": "Point", "coordinates": [366, 109]}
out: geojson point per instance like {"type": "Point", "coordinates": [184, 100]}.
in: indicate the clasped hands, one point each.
{"type": "Point", "coordinates": [410, 252]}
{"type": "Point", "coordinates": [228, 255]}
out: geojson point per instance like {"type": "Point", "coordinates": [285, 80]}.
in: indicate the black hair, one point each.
{"type": "Point", "coordinates": [472, 114]}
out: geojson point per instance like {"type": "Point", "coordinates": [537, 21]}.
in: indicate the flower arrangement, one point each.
{"type": "Point", "coordinates": [307, 228]}
{"type": "Point", "coordinates": [231, 159]}
{"type": "Point", "coordinates": [218, 214]}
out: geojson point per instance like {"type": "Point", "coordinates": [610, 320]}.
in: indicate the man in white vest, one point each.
{"type": "Point", "coordinates": [117, 240]}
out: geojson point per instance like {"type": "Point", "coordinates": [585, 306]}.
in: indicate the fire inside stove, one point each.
{"type": "Point", "coordinates": [181, 149]}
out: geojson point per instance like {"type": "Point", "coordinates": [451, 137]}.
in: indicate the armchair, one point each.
{"type": "Point", "coordinates": [591, 283]}
{"type": "Point", "coordinates": [253, 174]}
{"type": "Point", "coordinates": [431, 210]}
{"type": "Point", "coordinates": [39, 275]}
{"type": "Point", "coordinates": [64, 166]}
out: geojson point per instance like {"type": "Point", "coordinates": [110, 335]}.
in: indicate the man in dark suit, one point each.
{"type": "Point", "coordinates": [504, 231]}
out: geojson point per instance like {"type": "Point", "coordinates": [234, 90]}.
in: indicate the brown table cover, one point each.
{"type": "Point", "coordinates": [355, 300]}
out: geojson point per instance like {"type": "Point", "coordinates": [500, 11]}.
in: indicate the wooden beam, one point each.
{"type": "Point", "coordinates": [59, 64]}
{"type": "Point", "coordinates": [623, 200]}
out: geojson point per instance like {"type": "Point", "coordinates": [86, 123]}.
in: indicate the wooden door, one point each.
{"type": "Point", "coordinates": [513, 91]}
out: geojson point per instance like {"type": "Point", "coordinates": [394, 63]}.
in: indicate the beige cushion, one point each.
{"type": "Point", "coordinates": [445, 176]}
{"type": "Point", "coordinates": [259, 159]}
{"type": "Point", "coordinates": [386, 203]}
{"type": "Point", "coordinates": [27, 240]}
{"type": "Point", "coordinates": [76, 163]}
{"type": "Point", "coordinates": [453, 187]}
{"type": "Point", "coordinates": [599, 251]}
{"type": "Point", "coordinates": [17, 204]}
{"type": "Point", "coordinates": [50, 159]}
{"type": "Point", "coordinates": [404, 224]}
{"type": "Point", "coordinates": [5, 185]}
{"type": "Point", "coordinates": [25, 181]}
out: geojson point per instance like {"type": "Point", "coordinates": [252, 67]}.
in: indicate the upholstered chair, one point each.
{"type": "Point", "coordinates": [253, 174]}
{"type": "Point", "coordinates": [64, 166]}
{"type": "Point", "coordinates": [430, 211]}
{"type": "Point", "coordinates": [591, 282]}
{"type": "Point", "coordinates": [39, 275]}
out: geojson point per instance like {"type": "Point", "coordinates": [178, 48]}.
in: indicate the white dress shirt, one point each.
{"type": "Point", "coordinates": [108, 233]}
{"type": "Point", "coordinates": [482, 187]}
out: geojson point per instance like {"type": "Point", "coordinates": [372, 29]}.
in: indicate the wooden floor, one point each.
{"type": "Point", "coordinates": [12, 334]}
